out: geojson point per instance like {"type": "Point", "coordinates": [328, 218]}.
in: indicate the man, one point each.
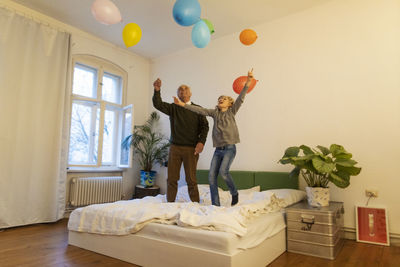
{"type": "Point", "coordinates": [188, 136]}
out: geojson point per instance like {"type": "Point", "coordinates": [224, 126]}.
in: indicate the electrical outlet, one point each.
{"type": "Point", "coordinates": [371, 193]}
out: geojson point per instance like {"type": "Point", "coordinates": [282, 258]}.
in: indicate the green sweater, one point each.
{"type": "Point", "coordinates": [187, 127]}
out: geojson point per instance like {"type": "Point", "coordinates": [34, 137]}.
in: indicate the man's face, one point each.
{"type": "Point", "coordinates": [184, 94]}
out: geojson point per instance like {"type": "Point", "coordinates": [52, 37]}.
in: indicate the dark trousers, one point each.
{"type": "Point", "coordinates": [177, 156]}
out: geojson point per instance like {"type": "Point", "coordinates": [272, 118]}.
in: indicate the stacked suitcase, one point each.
{"type": "Point", "coordinates": [315, 231]}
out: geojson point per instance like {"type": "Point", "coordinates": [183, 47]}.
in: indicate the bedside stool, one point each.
{"type": "Point", "coordinates": [315, 231]}
{"type": "Point", "coordinates": [142, 191]}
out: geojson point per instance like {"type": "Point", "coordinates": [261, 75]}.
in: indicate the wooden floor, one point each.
{"type": "Point", "coordinates": [47, 245]}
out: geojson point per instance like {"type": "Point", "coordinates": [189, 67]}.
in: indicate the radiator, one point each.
{"type": "Point", "coordinates": [94, 190]}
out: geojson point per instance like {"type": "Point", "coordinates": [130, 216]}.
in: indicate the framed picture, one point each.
{"type": "Point", "coordinates": [372, 225]}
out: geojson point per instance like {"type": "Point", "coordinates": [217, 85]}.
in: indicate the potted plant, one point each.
{"type": "Point", "coordinates": [150, 147]}
{"type": "Point", "coordinates": [319, 167]}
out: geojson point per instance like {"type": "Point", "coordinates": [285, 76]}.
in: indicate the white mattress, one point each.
{"type": "Point", "coordinates": [260, 228]}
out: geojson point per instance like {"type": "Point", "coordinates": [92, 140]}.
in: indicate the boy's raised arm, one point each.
{"type": "Point", "coordinates": [239, 100]}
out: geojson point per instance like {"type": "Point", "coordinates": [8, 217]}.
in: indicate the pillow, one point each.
{"type": "Point", "coordinates": [204, 192]}
{"type": "Point", "coordinates": [250, 190]}
{"type": "Point", "coordinates": [225, 197]}
{"type": "Point", "coordinates": [205, 195]}
{"type": "Point", "coordinates": [290, 196]}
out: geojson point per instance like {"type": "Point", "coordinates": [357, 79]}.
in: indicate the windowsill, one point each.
{"type": "Point", "coordinates": [92, 169]}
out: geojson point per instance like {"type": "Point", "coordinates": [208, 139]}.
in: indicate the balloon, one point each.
{"type": "Point", "coordinates": [209, 25]}
{"type": "Point", "coordinates": [200, 34]}
{"type": "Point", "coordinates": [248, 37]}
{"type": "Point", "coordinates": [186, 12]}
{"type": "Point", "coordinates": [238, 84]}
{"type": "Point", "coordinates": [104, 11]}
{"type": "Point", "coordinates": [131, 34]}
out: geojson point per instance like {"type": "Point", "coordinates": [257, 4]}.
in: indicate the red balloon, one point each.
{"type": "Point", "coordinates": [238, 84]}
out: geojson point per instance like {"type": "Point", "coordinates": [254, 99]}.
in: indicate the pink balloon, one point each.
{"type": "Point", "coordinates": [104, 11]}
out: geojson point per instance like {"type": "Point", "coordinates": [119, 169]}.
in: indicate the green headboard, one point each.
{"type": "Point", "coordinates": [247, 179]}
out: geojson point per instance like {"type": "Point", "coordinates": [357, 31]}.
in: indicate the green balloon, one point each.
{"type": "Point", "coordinates": [209, 25]}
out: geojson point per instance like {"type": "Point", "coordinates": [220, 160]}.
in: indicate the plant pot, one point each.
{"type": "Point", "coordinates": [317, 196]}
{"type": "Point", "coordinates": [147, 178]}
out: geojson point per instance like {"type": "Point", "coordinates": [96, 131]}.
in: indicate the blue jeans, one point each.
{"type": "Point", "coordinates": [220, 163]}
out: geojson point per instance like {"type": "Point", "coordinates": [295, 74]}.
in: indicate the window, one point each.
{"type": "Point", "coordinates": [99, 121]}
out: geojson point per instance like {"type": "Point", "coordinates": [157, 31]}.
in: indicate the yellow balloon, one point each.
{"type": "Point", "coordinates": [131, 34]}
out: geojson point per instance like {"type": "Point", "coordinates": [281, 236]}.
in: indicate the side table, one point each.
{"type": "Point", "coordinates": [315, 231]}
{"type": "Point", "coordinates": [142, 191]}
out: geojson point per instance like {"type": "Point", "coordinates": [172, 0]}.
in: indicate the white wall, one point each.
{"type": "Point", "coordinates": [327, 75]}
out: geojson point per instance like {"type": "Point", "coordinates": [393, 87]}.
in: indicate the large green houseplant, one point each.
{"type": "Point", "coordinates": [320, 166]}
{"type": "Point", "coordinates": [149, 147]}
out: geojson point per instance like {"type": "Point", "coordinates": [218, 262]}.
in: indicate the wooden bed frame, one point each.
{"type": "Point", "coordinates": [145, 251]}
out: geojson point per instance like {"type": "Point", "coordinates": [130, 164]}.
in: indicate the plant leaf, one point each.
{"type": "Point", "coordinates": [340, 179]}
{"type": "Point", "coordinates": [305, 157]}
{"type": "Point", "coordinates": [322, 166]}
{"type": "Point", "coordinates": [350, 170]}
{"type": "Point", "coordinates": [346, 162]}
{"type": "Point", "coordinates": [306, 150]}
{"type": "Point", "coordinates": [324, 150]}
{"type": "Point", "coordinates": [292, 151]}
{"type": "Point", "coordinates": [344, 156]}
{"type": "Point", "coordinates": [285, 161]}
{"type": "Point", "coordinates": [337, 149]}
{"type": "Point", "coordinates": [310, 167]}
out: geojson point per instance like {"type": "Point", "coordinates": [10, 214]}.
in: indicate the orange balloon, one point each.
{"type": "Point", "coordinates": [238, 84]}
{"type": "Point", "coordinates": [248, 37]}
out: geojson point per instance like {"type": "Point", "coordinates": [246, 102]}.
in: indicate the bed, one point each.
{"type": "Point", "coordinates": [158, 242]}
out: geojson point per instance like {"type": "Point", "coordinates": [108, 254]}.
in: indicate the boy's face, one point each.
{"type": "Point", "coordinates": [224, 102]}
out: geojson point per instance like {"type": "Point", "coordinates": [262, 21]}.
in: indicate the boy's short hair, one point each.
{"type": "Point", "coordinates": [230, 99]}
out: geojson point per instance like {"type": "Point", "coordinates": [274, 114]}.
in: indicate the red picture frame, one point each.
{"type": "Point", "coordinates": [372, 225]}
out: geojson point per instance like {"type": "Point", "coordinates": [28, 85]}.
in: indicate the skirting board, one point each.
{"type": "Point", "coordinates": [350, 233]}
{"type": "Point", "coordinates": [146, 251]}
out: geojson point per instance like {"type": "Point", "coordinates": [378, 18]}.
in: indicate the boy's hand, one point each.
{"type": "Point", "coordinates": [178, 102]}
{"type": "Point", "coordinates": [250, 76]}
{"type": "Point", "coordinates": [157, 84]}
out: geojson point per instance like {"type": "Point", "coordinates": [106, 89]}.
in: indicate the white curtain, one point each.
{"type": "Point", "coordinates": [33, 73]}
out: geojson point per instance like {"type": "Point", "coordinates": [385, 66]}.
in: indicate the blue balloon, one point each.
{"type": "Point", "coordinates": [186, 12]}
{"type": "Point", "coordinates": [201, 34]}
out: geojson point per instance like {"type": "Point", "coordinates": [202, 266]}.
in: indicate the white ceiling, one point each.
{"type": "Point", "coordinates": [161, 35]}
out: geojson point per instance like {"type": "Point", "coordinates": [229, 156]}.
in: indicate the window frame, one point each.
{"type": "Point", "coordinates": [102, 66]}
{"type": "Point", "coordinates": [122, 127]}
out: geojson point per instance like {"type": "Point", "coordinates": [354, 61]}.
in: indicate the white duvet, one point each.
{"type": "Point", "coordinates": [126, 217]}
